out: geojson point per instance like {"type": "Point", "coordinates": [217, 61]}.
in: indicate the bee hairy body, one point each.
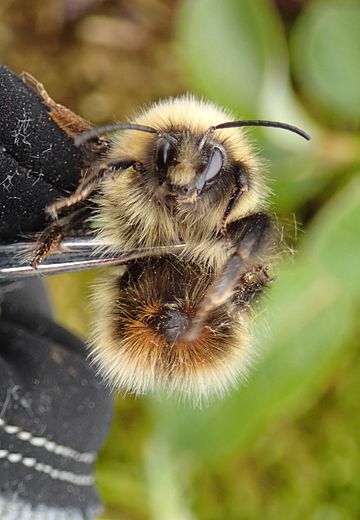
{"type": "Point", "coordinates": [142, 313]}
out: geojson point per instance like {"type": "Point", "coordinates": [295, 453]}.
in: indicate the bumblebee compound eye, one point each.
{"type": "Point", "coordinates": [212, 169]}
{"type": "Point", "coordinates": [138, 323]}
{"type": "Point", "coordinates": [164, 154]}
{"type": "Point", "coordinates": [215, 164]}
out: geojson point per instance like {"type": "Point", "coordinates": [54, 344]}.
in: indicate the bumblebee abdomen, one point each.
{"type": "Point", "coordinates": [139, 323]}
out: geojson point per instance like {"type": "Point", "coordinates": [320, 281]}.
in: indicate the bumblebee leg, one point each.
{"type": "Point", "coordinates": [250, 236]}
{"type": "Point", "coordinates": [47, 242]}
{"type": "Point", "coordinates": [49, 239]}
{"type": "Point", "coordinates": [88, 185]}
{"type": "Point", "coordinates": [68, 121]}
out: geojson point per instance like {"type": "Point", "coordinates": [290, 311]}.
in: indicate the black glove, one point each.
{"type": "Point", "coordinates": [54, 410]}
{"type": "Point", "coordinates": [38, 161]}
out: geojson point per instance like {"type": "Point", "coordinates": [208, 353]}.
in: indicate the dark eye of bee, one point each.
{"type": "Point", "coordinates": [214, 165]}
{"type": "Point", "coordinates": [164, 154]}
{"type": "Point", "coordinates": [212, 169]}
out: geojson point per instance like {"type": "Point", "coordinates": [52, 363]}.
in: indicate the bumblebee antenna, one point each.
{"type": "Point", "coordinates": [97, 132]}
{"type": "Point", "coordinates": [260, 122]}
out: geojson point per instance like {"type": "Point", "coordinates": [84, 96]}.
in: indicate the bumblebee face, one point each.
{"type": "Point", "coordinates": [188, 171]}
{"type": "Point", "coordinates": [184, 169]}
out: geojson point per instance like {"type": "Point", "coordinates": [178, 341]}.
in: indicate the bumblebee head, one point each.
{"type": "Point", "coordinates": [181, 159]}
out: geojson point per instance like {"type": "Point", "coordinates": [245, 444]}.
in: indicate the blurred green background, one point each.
{"type": "Point", "coordinates": [286, 444]}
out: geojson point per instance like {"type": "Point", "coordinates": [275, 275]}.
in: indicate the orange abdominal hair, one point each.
{"type": "Point", "coordinates": [138, 317]}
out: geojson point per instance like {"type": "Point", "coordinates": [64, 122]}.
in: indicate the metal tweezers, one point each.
{"type": "Point", "coordinates": [74, 254]}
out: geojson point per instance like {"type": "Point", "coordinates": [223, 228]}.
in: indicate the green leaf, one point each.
{"type": "Point", "coordinates": [224, 47]}
{"type": "Point", "coordinates": [294, 179]}
{"type": "Point", "coordinates": [326, 55]}
{"type": "Point", "coordinates": [335, 238]}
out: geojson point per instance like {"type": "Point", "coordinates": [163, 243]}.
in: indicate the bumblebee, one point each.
{"type": "Point", "coordinates": [182, 171]}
